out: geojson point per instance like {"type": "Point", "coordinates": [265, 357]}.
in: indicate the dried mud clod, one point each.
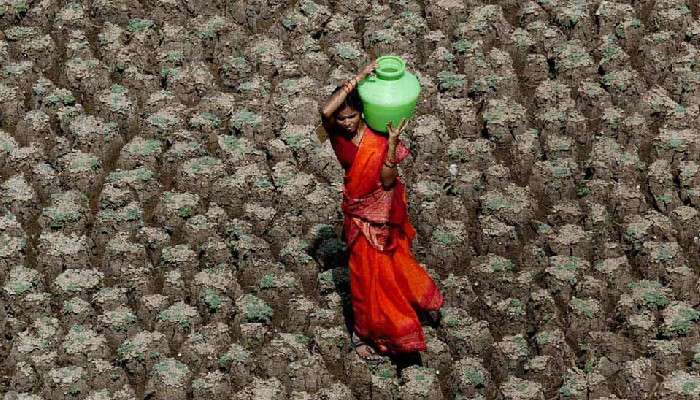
{"type": "Point", "coordinates": [169, 224]}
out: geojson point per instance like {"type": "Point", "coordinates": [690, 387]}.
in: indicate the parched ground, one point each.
{"type": "Point", "coordinates": [170, 224]}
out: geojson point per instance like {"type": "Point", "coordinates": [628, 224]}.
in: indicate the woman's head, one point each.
{"type": "Point", "coordinates": [347, 116]}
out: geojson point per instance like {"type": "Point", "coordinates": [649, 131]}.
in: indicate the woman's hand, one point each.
{"type": "Point", "coordinates": [395, 132]}
{"type": "Point", "coordinates": [368, 69]}
{"type": "Point", "coordinates": [389, 172]}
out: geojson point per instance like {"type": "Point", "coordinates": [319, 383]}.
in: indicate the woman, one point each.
{"type": "Point", "coordinates": [387, 284]}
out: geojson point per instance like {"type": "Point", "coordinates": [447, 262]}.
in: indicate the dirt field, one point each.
{"type": "Point", "coordinates": [170, 224]}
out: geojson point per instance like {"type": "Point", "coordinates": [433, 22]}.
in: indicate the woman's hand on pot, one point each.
{"type": "Point", "coordinates": [367, 69]}
{"type": "Point", "coordinates": [395, 132]}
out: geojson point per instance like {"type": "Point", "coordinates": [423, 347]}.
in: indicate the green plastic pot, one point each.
{"type": "Point", "coordinates": [390, 94]}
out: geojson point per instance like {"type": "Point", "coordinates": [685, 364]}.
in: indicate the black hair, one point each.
{"type": "Point", "coordinates": [352, 100]}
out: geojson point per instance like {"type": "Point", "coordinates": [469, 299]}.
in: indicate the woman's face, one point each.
{"type": "Point", "coordinates": [347, 119]}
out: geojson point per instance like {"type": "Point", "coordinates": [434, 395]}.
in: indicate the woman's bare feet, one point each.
{"type": "Point", "coordinates": [367, 352]}
{"type": "Point", "coordinates": [364, 350]}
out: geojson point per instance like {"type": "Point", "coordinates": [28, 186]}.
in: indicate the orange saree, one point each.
{"type": "Point", "coordinates": [387, 284]}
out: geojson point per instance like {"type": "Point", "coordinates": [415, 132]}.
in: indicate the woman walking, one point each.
{"type": "Point", "coordinates": [387, 284]}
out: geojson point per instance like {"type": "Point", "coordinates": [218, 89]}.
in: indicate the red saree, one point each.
{"type": "Point", "coordinates": [387, 283]}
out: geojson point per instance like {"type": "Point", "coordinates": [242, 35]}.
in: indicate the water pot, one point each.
{"type": "Point", "coordinates": [388, 95]}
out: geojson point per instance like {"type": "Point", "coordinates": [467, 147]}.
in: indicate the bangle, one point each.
{"type": "Point", "coordinates": [390, 164]}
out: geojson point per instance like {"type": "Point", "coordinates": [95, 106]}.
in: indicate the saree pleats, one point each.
{"type": "Point", "coordinates": [386, 290]}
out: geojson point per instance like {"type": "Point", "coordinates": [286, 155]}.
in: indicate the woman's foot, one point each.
{"type": "Point", "coordinates": [365, 351]}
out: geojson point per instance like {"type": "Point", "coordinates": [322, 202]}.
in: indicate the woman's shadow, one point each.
{"type": "Point", "coordinates": [331, 252]}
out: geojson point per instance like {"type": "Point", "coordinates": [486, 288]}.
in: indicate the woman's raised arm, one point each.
{"type": "Point", "coordinates": [332, 104]}
{"type": "Point", "coordinates": [339, 97]}
{"type": "Point", "coordinates": [389, 173]}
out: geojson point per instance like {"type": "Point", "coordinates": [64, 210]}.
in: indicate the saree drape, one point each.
{"type": "Point", "coordinates": [387, 284]}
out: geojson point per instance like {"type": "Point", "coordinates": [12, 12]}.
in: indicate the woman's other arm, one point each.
{"type": "Point", "coordinates": [389, 170]}
{"type": "Point", "coordinates": [389, 174]}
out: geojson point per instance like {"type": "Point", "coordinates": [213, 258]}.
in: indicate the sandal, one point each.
{"type": "Point", "coordinates": [357, 342]}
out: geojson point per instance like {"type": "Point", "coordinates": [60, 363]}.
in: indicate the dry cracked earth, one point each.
{"type": "Point", "coordinates": [170, 224]}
